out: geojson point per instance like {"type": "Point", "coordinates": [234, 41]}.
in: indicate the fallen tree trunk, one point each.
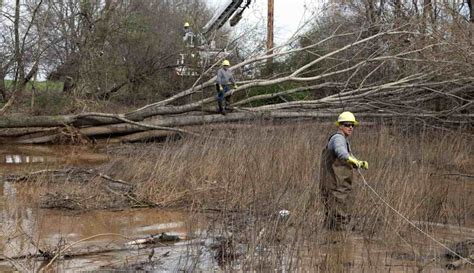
{"type": "Point", "coordinates": [142, 136]}
{"type": "Point", "coordinates": [126, 132]}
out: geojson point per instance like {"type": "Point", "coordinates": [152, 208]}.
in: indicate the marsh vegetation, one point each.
{"type": "Point", "coordinates": [233, 181]}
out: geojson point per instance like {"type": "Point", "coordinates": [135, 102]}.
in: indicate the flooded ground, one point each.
{"type": "Point", "coordinates": [27, 229]}
{"type": "Point", "coordinates": [12, 156]}
{"type": "Point", "coordinates": [101, 239]}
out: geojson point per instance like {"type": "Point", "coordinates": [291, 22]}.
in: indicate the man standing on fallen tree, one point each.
{"type": "Point", "coordinates": [224, 79]}
{"type": "Point", "coordinates": [337, 171]}
{"type": "Point", "coordinates": [188, 35]}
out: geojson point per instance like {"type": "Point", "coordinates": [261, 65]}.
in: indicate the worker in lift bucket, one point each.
{"type": "Point", "coordinates": [337, 171]}
{"type": "Point", "coordinates": [223, 81]}
{"type": "Point", "coordinates": [188, 35]}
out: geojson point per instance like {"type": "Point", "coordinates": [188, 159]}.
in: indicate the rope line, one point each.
{"type": "Point", "coordinates": [413, 224]}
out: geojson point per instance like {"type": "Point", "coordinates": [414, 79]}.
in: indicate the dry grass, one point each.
{"type": "Point", "coordinates": [248, 175]}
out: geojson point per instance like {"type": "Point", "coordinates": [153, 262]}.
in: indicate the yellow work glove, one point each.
{"type": "Point", "coordinates": [221, 88]}
{"type": "Point", "coordinates": [358, 163]}
{"type": "Point", "coordinates": [235, 86]}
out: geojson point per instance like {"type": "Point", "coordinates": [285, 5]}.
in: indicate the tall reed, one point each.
{"type": "Point", "coordinates": [248, 174]}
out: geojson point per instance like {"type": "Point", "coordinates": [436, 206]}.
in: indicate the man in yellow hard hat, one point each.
{"type": "Point", "coordinates": [337, 169]}
{"type": "Point", "coordinates": [188, 35]}
{"type": "Point", "coordinates": [223, 81]}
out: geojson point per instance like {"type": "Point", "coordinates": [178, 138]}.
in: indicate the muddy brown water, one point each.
{"type": "Point", "coordinates": [26, 228]}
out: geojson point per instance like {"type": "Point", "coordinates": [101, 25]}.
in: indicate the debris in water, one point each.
{"type": "Point", "coordinates": [284, 214]}
{"type": "Point", "coordinates": [154, 239]}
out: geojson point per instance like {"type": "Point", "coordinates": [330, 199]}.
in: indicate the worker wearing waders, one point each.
{"type": "Point", "coordinates": [337, 174]}
{"type": "Point", "coordinates": [223, 81]}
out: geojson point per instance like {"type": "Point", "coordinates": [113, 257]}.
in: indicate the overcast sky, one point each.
{"type": "Point", "coordinates": [288, 17]}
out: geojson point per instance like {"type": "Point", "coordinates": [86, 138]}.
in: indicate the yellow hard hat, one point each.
{"type": "Point", "coordinates": [186, 24]}
{"type": "Point", "coordinates": [346, 117]}
{"type": "Point", "coordinates": [226, 62]}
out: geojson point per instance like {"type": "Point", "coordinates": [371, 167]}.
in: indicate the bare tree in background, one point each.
{"type": "Point", "coordinates": [107, 47]}
{"type": "Point", "coordinates": [26, 43]}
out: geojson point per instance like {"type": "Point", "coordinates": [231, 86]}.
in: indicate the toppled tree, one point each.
{"type": "Point", "coordinates": [375, 71]}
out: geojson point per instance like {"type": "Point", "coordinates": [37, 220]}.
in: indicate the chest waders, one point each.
{"type": "Point", "coordinates": [336, 177]}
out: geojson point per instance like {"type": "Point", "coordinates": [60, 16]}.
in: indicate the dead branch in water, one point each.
{"type": "Point", "coordinates": [66, 172]}
{"type": "Point", "coordinates": [71, 201]}
{"type": "Point", "coordinates": [130, 244]}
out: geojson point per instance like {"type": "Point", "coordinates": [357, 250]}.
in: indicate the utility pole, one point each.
{"type": "Point", "coordinates": [270, 35]}
{"type": "Point", "coordinates": [270, 25]}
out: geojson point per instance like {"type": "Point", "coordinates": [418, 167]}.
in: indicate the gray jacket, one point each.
{"type": "Point", "coordinates": [339, 145]}
{"type": "Point", "coordinates": [224, 77]}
